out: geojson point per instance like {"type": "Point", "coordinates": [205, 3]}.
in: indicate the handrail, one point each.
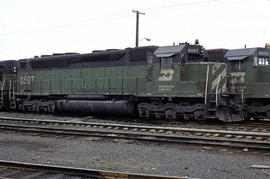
{"type": "Point", "coordinates": [206, 85]}
{"type": "Point", "coordinates": [2, 91]}
{"type": "Point", "coordinates": [9, 90]}
{"type": "Point", "coordinates": [219, 77]}
{"type": "Point", "coordinates": [13, 90]}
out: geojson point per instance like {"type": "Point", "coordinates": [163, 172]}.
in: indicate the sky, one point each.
{"type": "Point", "coordinates": [40, 27]}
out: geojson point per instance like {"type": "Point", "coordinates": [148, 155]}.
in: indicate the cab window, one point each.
{"type": "Point", "coordinates": [262, 61]}
{"type": "Point", "coordinates": [236, 65]}
{"type": "Point", "coordinates": [166, 63]}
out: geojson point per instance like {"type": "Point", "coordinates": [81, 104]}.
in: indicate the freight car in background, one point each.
{"type": "Point", "coordinates": [152, 82]}
{"type": "Point", "coordinates": [248, 75]}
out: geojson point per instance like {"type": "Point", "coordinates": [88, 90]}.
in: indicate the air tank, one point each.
{"type": "Point", "coordinates": [119, 107]}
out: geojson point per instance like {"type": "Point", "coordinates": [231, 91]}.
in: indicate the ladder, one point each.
{"type": "Point", "coordinates": [2, 94]}
{"type": "Point", "coordinates": [212, 104]}
{"type": "Point", "coordinates": [11, 94]}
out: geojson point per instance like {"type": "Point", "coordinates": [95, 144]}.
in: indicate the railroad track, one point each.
{"type": "Point", "coordinates": [259, 126]}
{"type": "Point", "coordinates": [256, 126]}
{"type": "Point", "coordinates": [239, 139]}
{"type": "Point", "coordinates": [16, 170]}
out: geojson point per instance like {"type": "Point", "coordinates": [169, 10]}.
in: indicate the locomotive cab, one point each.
{"type": "Point", "coordinates": [250, 77]}
{"type": "Point", "coordinates": [173, 60]}
{"type": "Point", "coordinates": [181, 53]}
{"type": "Point", "coordinates": [249, 68]}
{"type": "Point", "coordinates": [185, 85]}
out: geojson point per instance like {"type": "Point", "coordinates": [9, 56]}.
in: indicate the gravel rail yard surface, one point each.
{"type": "Point", "coordinates": [236, 139]}
{"type": "Point", "coordinates": [10, 169]}
{"type": "Point", "coordinates": [131, 156]}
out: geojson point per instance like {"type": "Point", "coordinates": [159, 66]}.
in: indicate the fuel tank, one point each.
{"type": "Point", "coordinates": [119, 107]}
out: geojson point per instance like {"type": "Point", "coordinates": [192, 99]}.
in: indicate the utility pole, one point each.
{"type": "Point", "coordinates": [137, 25]}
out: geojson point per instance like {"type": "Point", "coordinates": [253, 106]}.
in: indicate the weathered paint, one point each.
{"type": "Point", "coordinates": [180, 81]}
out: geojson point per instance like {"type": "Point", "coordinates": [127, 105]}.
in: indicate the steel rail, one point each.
{"type": "Point", "coordinates": [187, 136]}
{"type": "Point", "coordinates": [244, 126]}
{"type": "Point", "coordinates": [121, 126]}
{"type": "Point", "coordinates": [81, 172]}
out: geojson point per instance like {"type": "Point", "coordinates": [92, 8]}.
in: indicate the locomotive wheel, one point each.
{"type": "Point", "coordinates": [246, 116]}
{"type": "Point", "coordinates": [170, 114]}
{"type": "Point", "coordinates": [226, 114]}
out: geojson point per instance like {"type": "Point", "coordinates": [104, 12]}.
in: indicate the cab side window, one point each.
{"type": "Point", "coordinates": [166, 63]}
{"type": "Point", "coordinates": [255, 61]}
{"type": "Point", "coordinates": [236, 65]}
{"type": "Point", "coordinates": [150, 60]}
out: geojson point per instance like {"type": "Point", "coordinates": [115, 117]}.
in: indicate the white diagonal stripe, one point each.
{"type": "Point", "coordinates": [215, 81]}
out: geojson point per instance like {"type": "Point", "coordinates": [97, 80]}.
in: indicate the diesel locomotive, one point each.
{"type": "Point", "coordinates": [248, 74]}
{"type": "Point", "coordinates": [178, 82]}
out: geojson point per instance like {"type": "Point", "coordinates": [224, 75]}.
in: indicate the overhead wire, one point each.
{"type": "Point", "coordinates": [123, 14]}
{"type": "Point", "coordinates": [88, 21]}
{"type": "Point", "coordinates": [189, 5]}
{"type": "Point", "coordinates": [172, 6]}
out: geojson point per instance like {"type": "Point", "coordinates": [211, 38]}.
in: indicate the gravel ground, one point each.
{"type": "Point", "coordinates": [133, 156]}
{"type": "Point", "coordinates": [129, 156]}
